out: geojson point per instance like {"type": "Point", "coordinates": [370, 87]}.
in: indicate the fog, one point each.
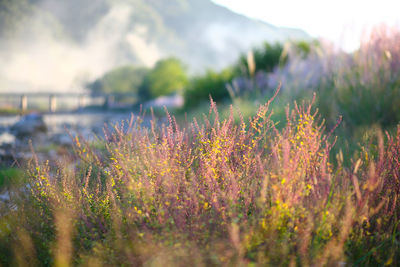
{"type": "Point", "coordinates": [63, 45]}
{"type": "Point", "coordinates": [44, 61]}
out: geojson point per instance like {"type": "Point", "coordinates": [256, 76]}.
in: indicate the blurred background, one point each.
{"type": "Point", "coordinates": [83, 86]}
{"type": "Point", "coordinates": [49, 45]}
{"type": "Point", "coordinates": [64, 46]}
{"type": "Point", "coordinates": [68, 60]}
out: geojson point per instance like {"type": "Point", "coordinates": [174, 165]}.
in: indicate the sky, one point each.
{"type": "Point", "coordinates": [341, 21]}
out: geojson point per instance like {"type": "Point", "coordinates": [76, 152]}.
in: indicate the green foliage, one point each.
{"type": "Point", "coordinates": [365, 86]}
{"type": "Point", "coordinates": [168, 76]}
{"type": "Point", "coordinates": [11, 177]}
{"type": "Point", "coordinates": [266, 58]}
{"type": "Point", "coordinates": [210, 84]}
{"type": "Point", "coordinates": [228, 191]}
{"type": "Point", "coordinates": [125, 79]}
{"type": "Point", "coordinates": [220, 192]}
{"type": "Point", "coordinates": [9, 111]}
{"type": "Point", "coordinates": [304, 47]}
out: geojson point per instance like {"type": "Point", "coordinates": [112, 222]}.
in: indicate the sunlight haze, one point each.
{"type": "Point", "coordinates": [340, 21]}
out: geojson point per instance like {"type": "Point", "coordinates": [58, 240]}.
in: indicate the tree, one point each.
{"type": "Point", "coordinates": [167, 76]}
{"type": "Point", "coordinates": [211, 83]}
{"type": "Point", "coordinates": [125, 79]}
{"type": "Point", "coordinates": [266, 58]}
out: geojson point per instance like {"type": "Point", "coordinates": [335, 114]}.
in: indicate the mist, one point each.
{"type": "Point", "coordinates": [46, 61]}
{"type": "Point", "coordinates": [61, 46]}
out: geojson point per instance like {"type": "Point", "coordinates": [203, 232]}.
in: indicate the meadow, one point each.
{"type": "Point", "coordinates": [308, 178]}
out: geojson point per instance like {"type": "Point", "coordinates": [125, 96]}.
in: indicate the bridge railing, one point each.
{"type": "Point", "coordinates": [53, 102]}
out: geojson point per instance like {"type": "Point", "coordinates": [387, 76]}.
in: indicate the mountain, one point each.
{"type": "Point", "coordinates": [78, 40]}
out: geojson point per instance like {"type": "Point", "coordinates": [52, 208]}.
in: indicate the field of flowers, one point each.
{"type": "Point", "coordinates": [215, 193]}
{"type": "Point", "coordinates": [222, 191]}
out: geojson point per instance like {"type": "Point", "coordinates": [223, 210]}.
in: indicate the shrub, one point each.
{"type": "Point", "coordinates": [265, 58]}
{"type": "Point", "coordinates": [362, 86]}
{"type": "Point", "coordinates": [168, 76]}
{"type": "Point", "coordinates": [11, 177]}
{"type": "Point", "coordinates": [210, 84]}
{"type": "Point", "coordinates": [367, 87]}
{"type": "Point", "coordinates": [216, 193]}
{"type": "Point", "coordinates": [125, 79]}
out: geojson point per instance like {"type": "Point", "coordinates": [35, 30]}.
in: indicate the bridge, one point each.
{"type": "Point", "coordinates": [53, 102]}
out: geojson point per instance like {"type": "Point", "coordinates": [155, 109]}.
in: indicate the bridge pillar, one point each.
{"type": "Point", "coordinates": [52, 103]}
{"type": "Point", "coordinates": [23, 102]}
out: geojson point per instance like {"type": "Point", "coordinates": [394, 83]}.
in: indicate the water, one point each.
{"type": "Point", "coordinates": [58, 122]}
{"type": "Point", "coordinates": [6, 121]}
{"type": "Point", "coordinates": [84, 120]}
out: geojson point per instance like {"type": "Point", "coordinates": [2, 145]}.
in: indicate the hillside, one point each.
{"type": "Point", "coordinates": [199, 31]}
{"type": "Point", "coordinates": [78, 40]}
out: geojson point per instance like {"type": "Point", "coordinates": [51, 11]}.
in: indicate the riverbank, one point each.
{"type": "Point", "coordinates": [52, 134]}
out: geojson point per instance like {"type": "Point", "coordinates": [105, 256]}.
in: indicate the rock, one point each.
{"type": "Point", "coordinates": [171, 101]}
{"type": "Point", "coordinates": [7, 140]}
{"type": "Point", "coordinates": [7, 157]}
{"type": "Point", "coordinates": [4, 154]}
{"type": "Point", "coordinates": [62, 139]}
{"type": "Point", "coordinates": [29, 125]}
{"type": "Point", "coordinates": [5, 197]}
{"type": "Point", "coordinates": [7, 145]}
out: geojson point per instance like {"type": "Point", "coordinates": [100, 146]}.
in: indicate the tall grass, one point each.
{"type": "Point", "coordinates": [364, 87]}
{"type": "Point", "coordinates": [214, 193]}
